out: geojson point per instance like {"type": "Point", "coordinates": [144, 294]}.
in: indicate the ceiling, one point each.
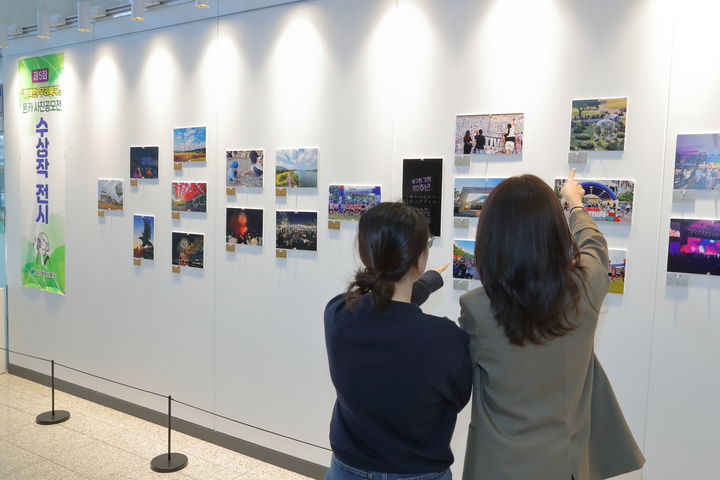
{"type": "Point", "coordinates": [24, 12]}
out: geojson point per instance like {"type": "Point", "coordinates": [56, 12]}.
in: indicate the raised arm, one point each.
{"type": "Point", "coordinates": [588, 238]}
{"type": "Point", "coordinates": [430, 282]}
{"type": "Point", "coordinates": [590, 241]}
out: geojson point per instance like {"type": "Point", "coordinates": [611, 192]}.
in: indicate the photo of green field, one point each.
{"type": "Point", "coordinates": [616, 270]}
{"type": "Point", "coordinates": [598, 124]}
{"type": "Point", "coordinates": [189, 144]}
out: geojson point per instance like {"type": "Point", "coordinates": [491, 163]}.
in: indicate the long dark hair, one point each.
{"type": "Point", "coordinates": [528, 261]}
{"type": "Point", "coordinates": [391, 239]}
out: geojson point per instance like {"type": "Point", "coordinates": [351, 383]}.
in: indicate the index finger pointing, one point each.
{"type": "Point", "coordinates": [571, 175]}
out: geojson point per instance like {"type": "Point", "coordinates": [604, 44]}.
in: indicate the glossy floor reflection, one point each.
{"type": "Point", "coordinates": [101, 443]}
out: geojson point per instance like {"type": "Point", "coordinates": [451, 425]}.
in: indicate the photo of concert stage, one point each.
{"type": "Point", "coordinates": [694, 246]}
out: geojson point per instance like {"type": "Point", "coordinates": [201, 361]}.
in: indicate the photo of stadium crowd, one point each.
{"type": "Point", "coordinates": [296, 230]}
{"type": "Point", "coordinates": [348, 202]}
{"type": "Point", "coordinates": [694, 246]}
{"type": "Point", "coordinates": [697, 162]}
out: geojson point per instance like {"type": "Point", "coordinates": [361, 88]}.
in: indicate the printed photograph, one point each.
{"type": "Point", "coordinates": [489, 134]}
{"type": "Point", "coordinates": [144, 162]}
{"type": "Point", "coordinates": [189, 144]}
{"type": "Point", "coordinates": [470, 194]}
{"type": "Point", "coordinates": [422, 189]}
{"type": "Point", "coordinates": [605, 200]}
{"type": "Point", "coordinates": [598, 124]}
{"type": "Point", "coordinates": [188, 249]}
{"type": "Point", "coordinates": [349, 202]}
{"type": "Point", "coordinates": [616, 270]}
{"type": "Point", "coordinates": [244, 168]}
{"type": "Point", "coordinates": [296, 168]}
{"type": "Point", "coordinates": [697, 162]}
{"type": "Point", "coordinates": [144, 233]}
{"type": "Point", "coordinates": [244, 226]}
{"type": "Point", "coordinates": [464, 260]}
{"type": "Point", "coordinates": [296, 230]}
{"type": "Point", "coordinates": [189, 196]}
{"type": "Point", "coordinates": [110, 194]}
{"type": "Point", "coordinates": [694, 246]}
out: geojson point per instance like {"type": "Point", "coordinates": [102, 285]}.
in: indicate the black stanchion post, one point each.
{"type": "Point", "coordinates": [53, 416]}
{"type": "Point", "coordinates": [170, 462]}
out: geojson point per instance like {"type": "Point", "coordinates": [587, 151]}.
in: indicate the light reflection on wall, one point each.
{"type": "Point", "coordinates": [415, 52]}
{"type": "Point", "coordinates": [158, 82]}
{"type": "Point", "coordinates": [297, 63]}
{"type": "Point", "coordinates": [105, 84]}
{"type": "Point", "coordinates": [520, 43]}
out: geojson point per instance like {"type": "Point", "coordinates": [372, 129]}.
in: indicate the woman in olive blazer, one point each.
{"type": "Point", "coordinates": [542, 407]}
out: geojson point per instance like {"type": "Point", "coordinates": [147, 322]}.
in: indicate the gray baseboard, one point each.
{"type": "Point", "coordinates": [264, 454]}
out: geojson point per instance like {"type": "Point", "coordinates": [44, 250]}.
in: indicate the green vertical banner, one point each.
{"type": "Point", "coordinates": [42, 173]}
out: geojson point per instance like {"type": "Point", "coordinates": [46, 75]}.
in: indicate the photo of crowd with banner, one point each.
{"type": "Point", "coordinates": [694, 246]}
{"type": "Point", "coordinates": [348, 202]}
{"type": "Point", "coordinates": [697, 162]}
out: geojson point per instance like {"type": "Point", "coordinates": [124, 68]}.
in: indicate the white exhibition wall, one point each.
{"type": "Point", "coordinates": [369, 83]}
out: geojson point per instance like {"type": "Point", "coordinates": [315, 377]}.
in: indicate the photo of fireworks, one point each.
{"type": "Point", "coordinates": [188, 249]}
{"type": "Point", "coordinates": [244, 226]}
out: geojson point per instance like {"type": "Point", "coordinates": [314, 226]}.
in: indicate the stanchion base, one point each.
{"type": "Point", "coordinates": [166, 464]}
{"type": "Point", "coordinates": [50, 418]}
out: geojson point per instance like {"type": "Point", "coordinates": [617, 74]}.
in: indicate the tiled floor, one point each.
{"type": "Point", "coordinates": [101, 443]}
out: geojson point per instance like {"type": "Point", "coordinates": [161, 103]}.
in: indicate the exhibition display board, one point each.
{"type": "Point", "coordinates": [214, 170]}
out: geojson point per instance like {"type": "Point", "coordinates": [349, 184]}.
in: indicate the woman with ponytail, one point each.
{"type": "Point", "coordinates": [401, 375]}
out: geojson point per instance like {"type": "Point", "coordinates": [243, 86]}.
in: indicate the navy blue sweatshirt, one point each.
{"type": "Point", "coordinates": [401, 377]}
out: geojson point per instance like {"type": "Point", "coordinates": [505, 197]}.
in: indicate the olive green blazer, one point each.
{"type": "Point", "coordinates": [546, 412]}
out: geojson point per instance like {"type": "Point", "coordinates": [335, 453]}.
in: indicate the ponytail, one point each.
{"type": "Point", "coordinates": [391, 239]}
{"type": "Point", "coordinates": [367, 280]}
